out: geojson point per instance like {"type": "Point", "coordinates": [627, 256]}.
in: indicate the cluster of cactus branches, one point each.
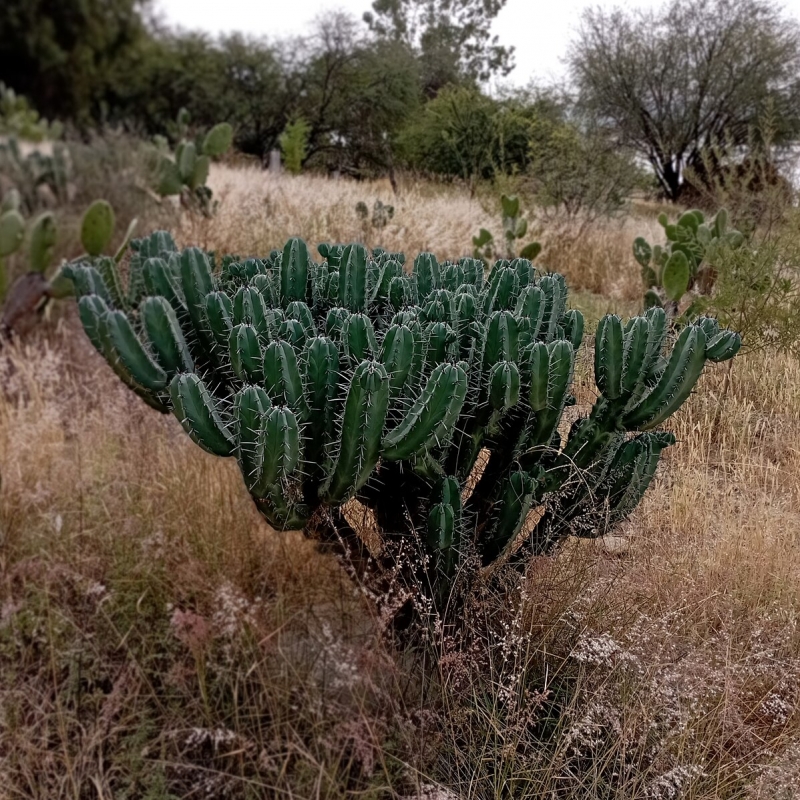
{"type": "Point", "coordinates": [362, 377]}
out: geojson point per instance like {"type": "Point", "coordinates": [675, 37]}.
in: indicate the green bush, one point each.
{"type": "Point", "coordinates": [757, 291]}
{"type": "Point", "coordinates": [352, 378]}
{"type": "Point", "coordinates": [575, 173]}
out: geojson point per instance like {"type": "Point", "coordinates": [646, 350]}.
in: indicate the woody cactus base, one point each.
{"type": "Point", "coordinates": [358, 378]}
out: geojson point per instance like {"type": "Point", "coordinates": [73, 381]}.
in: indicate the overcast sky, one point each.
{"type": "Point", "coordinates": [540, 31]}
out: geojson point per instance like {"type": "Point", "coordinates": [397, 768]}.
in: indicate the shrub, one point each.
{"type": "Point", "coordinates": [432, 398]}
{"type": "Point", "coordinates": [577, 174]}
{"type": "Point", "coordinates": [757, 291]}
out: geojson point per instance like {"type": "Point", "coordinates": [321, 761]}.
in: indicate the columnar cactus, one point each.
{"type": "Point", "coordinates": [686, 261]}
{"type": "Point", "coordinates": [354, 377]}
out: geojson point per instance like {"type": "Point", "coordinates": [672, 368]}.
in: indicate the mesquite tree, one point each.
{"type": "Point", "coordinates": [358, 378]}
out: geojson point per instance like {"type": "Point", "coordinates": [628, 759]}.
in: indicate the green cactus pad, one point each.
{"type": "Point", "coordinates": [97, 227]}
{"type": "Point", "coordinates": [12, 232]}
{"type": "Point", "coordinates": [218, 140]}
{"type": "Point", "coordinates": [43, 241]}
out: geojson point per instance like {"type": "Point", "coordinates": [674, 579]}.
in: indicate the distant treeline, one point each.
{"type": "Point", "coordinates": [404, 86]}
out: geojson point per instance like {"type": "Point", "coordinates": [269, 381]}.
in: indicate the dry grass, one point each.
{"type": "Point", "coordinates": [259, 211]}
{"type": "Point", "coordinates": [156, 640]}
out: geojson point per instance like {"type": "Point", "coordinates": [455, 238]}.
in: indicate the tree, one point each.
{"type": "Point", "coordinates": [455, 135]}
{"type": "Point", "coordinates": [672, 83]}
{"type": "Point", "coordinates": [451, 38]}
{"type": "Point", "coordinates": [355, 92]}
{"type": "Point", "coordinates": [242, 81]}
{"type": "Point", "coordinates": [61, 53]}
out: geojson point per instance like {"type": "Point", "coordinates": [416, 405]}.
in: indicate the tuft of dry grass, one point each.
{"type": "Point", "coordinates": [158, 640]}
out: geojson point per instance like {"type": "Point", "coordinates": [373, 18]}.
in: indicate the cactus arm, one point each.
{"type": "Point", "coordinates": [515, 505]}
{"type": "Point", "coordinates": [197, 282]}
{"type": "Point", "coordinates": [279, 443]}
{"type": "Point", "coordinates": [608, 356]}
{"type": "Point", "coordinates": [634, 354]}
{"type": "Point", "coordinates": [247, 359]}
{"type": "Point", "coordinates": [361, 431]}
{"type": "Point", "coordinates": [135, 358]}
{"type": "Point", "coordinates": [353, 278]}
{"type": "Point", "coordinates": [432, 416]}
{"type": "Point", "coordinates": [111, 278]}
{"type": "Point", "coordinates": [397, 354]}
{"type": "Point", "coordinates": [165, 336]}
{"type": "Point", "coordinates": [219, 314]}
{"type": "Point", "coordinates": [675, 384]}
{"type": "Point", "coordinates": [282, 379]}
{"type": "Point", "coordinates": [294, 271]}
{"type": "Point", "coordinates": [93, 312]}
{"type": "Point", "coordinates": [196, 410]}
{"type": "Point", "coordinates": [250, 405]}
{"type": "Point", "coordinates": [560, 368]}
{"type": "Point", "coordinates": [320, 368]}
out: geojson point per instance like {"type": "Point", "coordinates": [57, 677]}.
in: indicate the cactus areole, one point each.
{"type": "Point", "coordinates": [429, 393]}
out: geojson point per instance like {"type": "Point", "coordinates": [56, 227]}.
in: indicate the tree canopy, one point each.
{"type": "Point", "coordinates": [451, 38]}
{"type": "Point", "coordinates": [671, 83]}
{"type": "Point", "coordinates": [63, 54]}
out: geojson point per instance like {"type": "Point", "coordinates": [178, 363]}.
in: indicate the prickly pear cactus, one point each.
{"type": "Point", "coordinates": [34, 172]}
{"type": "Point", "coordinates": [185, 174]}
{"type": "Point", "coordinates": [35, 284]}
{"type": "Point", "coordinates": [514, 228]}
{"type": "Point", "coordinates": [431, 395]}
{"type": "Point", "coordinates": [686, 261]}
{"type": "Point", "coordinates": [15, 259]}
{"type": "Point", "coordinates": [382, 214]}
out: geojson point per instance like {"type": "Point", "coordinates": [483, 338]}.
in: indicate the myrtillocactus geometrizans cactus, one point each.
{"type": "Point", "coordinates": [357, 378]}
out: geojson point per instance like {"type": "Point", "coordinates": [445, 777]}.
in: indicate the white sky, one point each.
{"type": "Point", "coordinates": [540, 31]}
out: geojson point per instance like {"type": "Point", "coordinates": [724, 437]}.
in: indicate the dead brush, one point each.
{"type": "Point", "coordinates": [142, 652]}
